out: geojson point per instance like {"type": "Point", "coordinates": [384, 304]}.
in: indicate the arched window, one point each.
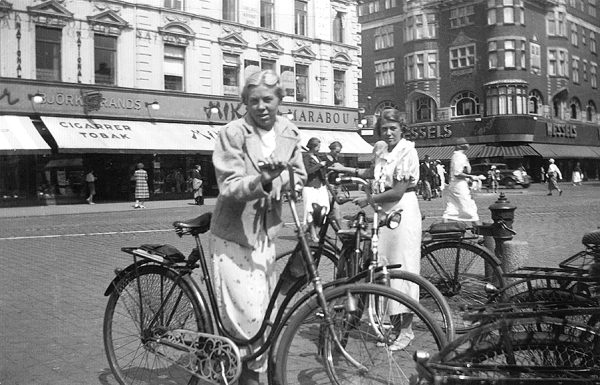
{"type": "Point", "coordinates": [590, 111]}
{"type": "Point", "coordinates": [464, 104]}
{"type": "Point", "coordinates": [385, 105]}
{"type": "Point", "coordinates": [574, 108]}
{"type": "Point", "coordinates": [535, 102]}
{"type": "Point", "coordinates": [422, 108]}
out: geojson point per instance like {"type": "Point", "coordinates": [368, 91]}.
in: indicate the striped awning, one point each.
{"type": "Point", "coordinates": [441, 152]}
{"type": "Point", "coordinates": [491, 151]}
{"type": "Point", "coordinates": [547, 150]}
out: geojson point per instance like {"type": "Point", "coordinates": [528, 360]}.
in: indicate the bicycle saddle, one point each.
{"type": "Point", "coordinates": [591, 238]}
{"type": "Point", "coordinates": [200, 224]}
{"type": "Point", "coordinates": [447, 227]}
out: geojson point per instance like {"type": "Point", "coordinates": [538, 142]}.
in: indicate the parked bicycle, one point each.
{"type": "Point", "coordinates": [160, 328]}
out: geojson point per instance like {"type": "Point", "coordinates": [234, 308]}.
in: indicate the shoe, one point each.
{"type": "Point", "coordinates": [402, 342]}
{"type": "Point", "coordinates": [560, 193]}
{"type": "Point", "coordinates": [136, 206]}
{"type": "Point", "coordinates": [91, 203]}
{"type": "Point", "coordinates": [549, 194]}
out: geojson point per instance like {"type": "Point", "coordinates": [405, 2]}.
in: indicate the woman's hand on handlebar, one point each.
{"type": "Point", "coordinates": [361, 202]}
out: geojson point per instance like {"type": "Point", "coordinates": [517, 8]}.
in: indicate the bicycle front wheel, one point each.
{"type": "Point", "coordinates": [142, 308]}
{"type": "Point", "coordinates": [460, 270]}
{"type": "Point", "coordinates": [363, 321]}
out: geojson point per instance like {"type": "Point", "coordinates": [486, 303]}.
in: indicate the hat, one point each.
{"type": "Point", "coordinates": [551, 160]}
{"type": "Point", "coordinates": [460, 141]}
{"type": "Point", "coordinates": [493, 167]}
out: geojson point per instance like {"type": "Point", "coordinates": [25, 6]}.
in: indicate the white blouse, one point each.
{"type": "Point", "coordinates": [401, 164]}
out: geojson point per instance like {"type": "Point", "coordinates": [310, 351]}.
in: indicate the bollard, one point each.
{"type": "Point", "coordinates": [512, 255]}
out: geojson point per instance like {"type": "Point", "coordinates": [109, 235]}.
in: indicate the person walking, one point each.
{"type": "Point", "coordinates": [398, 175]}
{"type": "Point", "coordinates": [441, 171]}
{"type": "Point", "coordinates": [553, 175]}
{"type": "Point", "coordinates": [197, 185]}
{"type": "Point", "coordinates": [460, 206]}
{"type": "Point", "coordinates": [314, 190]}
{"type": "Point", "coordinates": [577, 175]}
{"type": "Point", "coordinates": [426, 176]}
{"type": "Point", "coordinates": [251, 159]}
{"type": "Point", "coordinates": [90, 180]}
{"type": "Point", "coordinates": [140, 177]}
{"type": "Point", "coordinates": [493, 179]}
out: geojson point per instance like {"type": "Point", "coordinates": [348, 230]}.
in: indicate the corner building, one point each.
{"type": "Point", "coordinates": [517, 78]}
{"type": "Point", "coordinates": [104, 85]}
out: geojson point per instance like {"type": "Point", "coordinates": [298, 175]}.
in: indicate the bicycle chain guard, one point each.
{"type": "Point", "coordinates": [209, 357]}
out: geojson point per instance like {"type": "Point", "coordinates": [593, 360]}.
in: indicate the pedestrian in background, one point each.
{"type": "Point", "coordinates": [140, 177]}
{"type": "Point", "coordinates": [553, 175]}
{"type": "Point", "coordinates": [543, 174]}
{"type": "Point", "coordinates": [197, 185]}
{"type": "Point", "coordinates": [426, 176]}
{"type": "Point", "coordinates": [251, 160]}
{"type": "Point", "coordinates": [460, 206]}
{"type": "Point", "coordinates": [398, 175]}
{"type": "Point", "coordinates": [493, 179]}
{"type": "Point", "coordinates": [90, 179]}
{"type": "Point", "coordinates": [315, 190]}
{"type": "Point", "coordinates": [577, 175]}
{"type": "Point", "coordinates": [441, 171]}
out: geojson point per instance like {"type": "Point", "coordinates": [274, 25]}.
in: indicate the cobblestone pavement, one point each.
{"type": "Point", "coordinates": [57, 262]}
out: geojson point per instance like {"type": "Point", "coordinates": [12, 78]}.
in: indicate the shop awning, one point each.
{"type": "Point", "coordinates": [352, 142]}
{"type": "Point", "coordinates": [441, 152]}
{"type": "Point", "coordinates": [566, 151]}
{"type": "Point", "coordinates": [18, 135]}
{"type": "Point", "coordinates": [507, 151]}
{"type": "Point", "coordinates": [122, 136]}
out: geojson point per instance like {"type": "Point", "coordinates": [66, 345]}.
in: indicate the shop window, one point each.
{"type": "Point", "coordinates": [384, 73]}
{"type": "Point", "coordinates": [462, 57]}
{"type": "Point", "coordinates": [267, 14]}
{"type": "Point", "coordinates": [464, 104]}
{"type": "Point", "coordinates": [338, 27]}
{"type": "Point", "coordinates": [384, 37]}
{"type": "Point", "coordinates": [174, 4]}
{"type": "Point", "coordinates": [339, 87]}
{"type": "Point", "coordinates": [48, 53]}
{"type": "Point", "coordinates": [301, 83]}
{"type": "Point", "coordinates": [105, 59]}
{"type": "Point", "coordinates": [174, 67]}
{"type": "Point", "coordinates": [574, 108]}
{"type": "Point", "coordinates": [231, 75]}
{"type": "Point", "coordinates": [590, 111]}
{"type": "Point", "coordinates": [300, 17]}
{"type": "Point", "coordinates": [230, 10]}
{"type": "Point", "coordinates": [535, 102]}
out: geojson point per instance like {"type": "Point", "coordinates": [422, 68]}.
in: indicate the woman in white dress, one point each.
{"type": "Point", "coordinates": [396, 174]}
{"type": "Point", "coordinates": [460, 206]}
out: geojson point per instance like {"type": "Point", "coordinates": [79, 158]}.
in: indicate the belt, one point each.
{"type": "Point", "coordinates": [409, 189]}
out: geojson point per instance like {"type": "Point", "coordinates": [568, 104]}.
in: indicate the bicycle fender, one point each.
{"type": "Point", "coordinates": [120, 274]}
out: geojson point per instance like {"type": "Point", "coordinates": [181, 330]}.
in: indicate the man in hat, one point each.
{"type": "Point", "coordinates": [553, 175]}
{"type": "Point", "coordinates": [460, 206]}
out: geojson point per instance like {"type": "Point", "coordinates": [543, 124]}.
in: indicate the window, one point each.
{"type": "Point", "coordinates": [301, 17]}
{"type": "Point", "coordinates": [492, 55]}
{"type": "Point", "coordinates": [557, 62]}
{"type": "Point", "coordinates": [574, 35]}
{"type": "Point", "coordinates": [47, 53]}
{"type": "Point", "coordinates": [387, 4]}
{"type": "Point", "coordinates": [339, 87]}
{"type": "Point", "coordinates": [592, 8]}
{"type": "Point", "coordinates": [267, 64]}
{"type": "Point", "coordinates": [592, 42]}
{"type": "Point", "coordinates": [555, 23]}
{"type": "Point", "coordinates": [509, 54]}
{"type": "Point", "coordinates": [423, 109]}
{"type": "Point", "coordinates": [464, 104]}
{"type": "Point", "coordinates": [266, 14]}
{"type": "Point", "coordinates": [535, 102]}
{"type": "Point", "coordinates": [575, 75]}
{"type": "Point", "coordinates": [230, 10]}
{"type": "Point", "coordinates": [288, 81]}
{"type": "Point", "coordinates": [583, 33]}
{"type": "Point", "coordinates": [174, 66]}
{"type": "Point", "coordinates": [384, 73]}
{"type": "Point", "coordinates": [594, 75]}
{"type": "Point", "coordinates": [231, 75]}
{"type": "Point", "coordinates": [590, 111]}
{"type": "Point", "coordinates": [421, 65]}
{"type": "Point", "coordinates": [174, 4]}
{"type": "Point", "coordinates": [506, 99]}
{"type": "Point", "coordinates": [105, 56]}
{"type": "Point", "coordinates": [301, 83]}
{"type": "Point", "coordinates": [506, 12]}
{"type": "Point", "coordinates": [420, 27]}
{"type": "Point", "coordinates": [585, 70]}
{"type": "Point", "coordinates": [462, 57]}
{"type": "Point", "coordinates": [574, 109]}
{"type": "Point", "coordinates": [338, 27]}
{"type": "Point", "coordinates": [250, 67]}
{"type": "Point", "coordinates": [384, 37]}
{"type": "Point", "coordinates": [461, 16]}
{"type": "Point", "coordinates": [535, 54]}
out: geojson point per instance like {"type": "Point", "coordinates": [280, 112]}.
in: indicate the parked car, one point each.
{"type": "Point", "coordinates": [508, 177]}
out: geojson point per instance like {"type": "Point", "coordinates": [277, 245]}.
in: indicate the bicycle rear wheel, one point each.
{"type": "Point", "coordinates": [360, 313]}
{"type": "Point", "coordinates": [129, 338]}
{"type": "Point", "coordinates": [460, 270]}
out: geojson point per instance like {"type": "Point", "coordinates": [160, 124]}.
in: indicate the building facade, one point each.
{"type": "Point", "coordinates": [517, 78]}
{"type": "Point", "coordinates": [104, 85]}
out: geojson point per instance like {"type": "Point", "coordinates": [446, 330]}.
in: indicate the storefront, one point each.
{"type": "Point", "coordinates": [79, 128]}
